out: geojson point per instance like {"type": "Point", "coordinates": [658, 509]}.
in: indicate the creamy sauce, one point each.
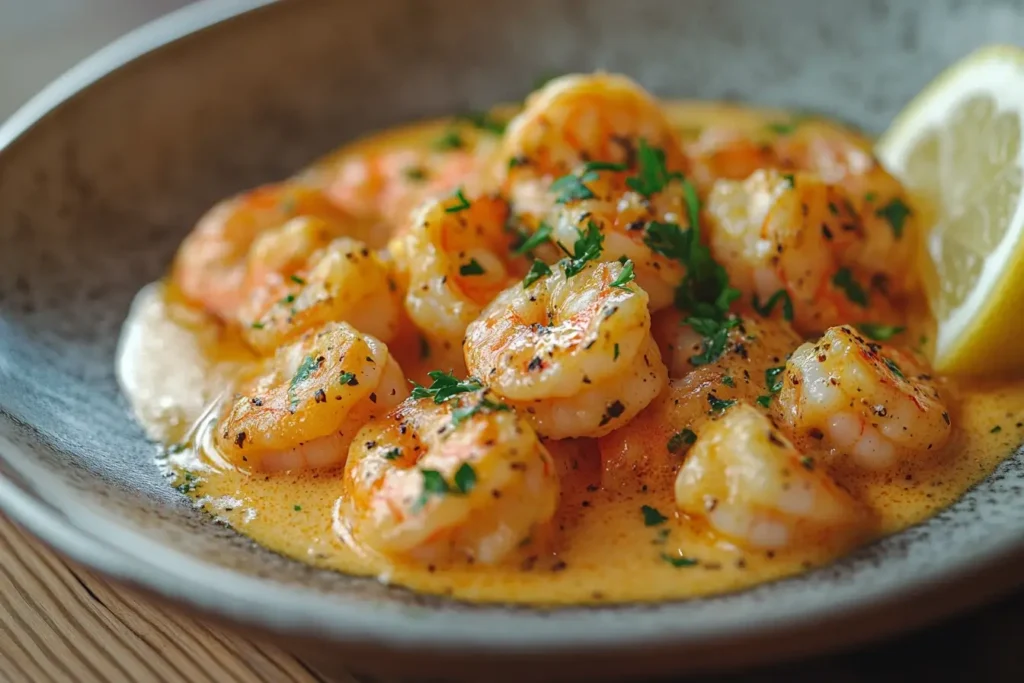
{"type": "Point", "coordinates": [174, 361]}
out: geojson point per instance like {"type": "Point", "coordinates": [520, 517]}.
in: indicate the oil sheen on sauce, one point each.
{"type": "Point", "coordinates": [174, 361]}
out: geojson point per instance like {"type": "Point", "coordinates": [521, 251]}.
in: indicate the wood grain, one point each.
{"type": "Point", "coordinates": [62, 623]}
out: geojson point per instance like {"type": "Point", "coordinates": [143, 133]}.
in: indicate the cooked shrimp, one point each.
{"type": "Point", "coordinates": [573, 353]}
{"type": "Point", "coordinates": [302, 407]}
{"type": "Point", "coordinates": [646, 453]}
{"type": "Point", "coordinates": [872, 406]}
{"type": "Point", "coordinates": [339, 281]}
{"type": "Point", "coordinates": [794, 236]}
{"type": "Point", "coordinates": [210, 267]}
{"type": "Point", "coordinates": [608, 138]}
{"type": "Point", "coordinates": [466, 478]}
{"type": "Point", "coordinates": [456, 257]}
{"type": "Point", "coordinates": [753, 486]}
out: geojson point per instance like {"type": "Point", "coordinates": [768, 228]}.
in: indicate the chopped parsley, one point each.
{"type": "Point", "coordinates": [615, 354]}
{"type": "Point", "coordinates": [449, 141]}
{"type": "Point", "coordinates": [716, 335]}
{"type": "Point", "coordinates": [258, 325]}
{"type": "Point", "coordinates": [603, 166]}
{"type": "Point", "coordinates": [764, 401]}
{"type": "Point", "coordinates": [727, 381]}
{"type": "Point", "coordinates": [807, 462]}
{"type": "Point", "coordinates": [995, 430]}
{"type": "Point", "coordinates": [297, 280]}
{"type": "Point", "coordinates": [460, 415]}
{"type": "Point", "coordinates": [444, 386]}
{"type": "Point", "coordinates": [625, 277]}
{"type": "Point", "coordinates": [719, 405]}
{"type": "Point", "coordinates": [297, 508]}
{"type": "Point", "coordinates": [542, 235]}
{"type": "Point", "coordinates": [433, 485]}
{"type": "Point", "coordinates": [484, 121]}
{"type": "Point", "coordinates": [307, 367]}
{"type": "Point", "coordinates": [346, 378]}
{"type": "Point", "coordinates": [896, 213]}
{"type": "Point", "coordinates": [681, 440]}
{"type": "Point", "coordinates": [891, 364]}
{"type": "Point", "coordinates": [773, 378]}
{"type": "Point", "coordinates": [870, 196]}
{"type": "Point", "coordinates": [788, 177]}
{"type": "Point", "coordinates": [471, 268]}
{"type": "Point", "coordinates": [287, 300]}
{"type": "Point", "coordinates": [393, 454]}
{"type": "Point", "coordinates": [843, 279]}
{"type": "Point", "coordinates": [783, 128]}
{"type": "Point", "coordinates": [571, 188]}
{"type": "Point", "coordinates": [880, 332]}
{"type": "Point", "coordinates": [765, 309]}
{"type": "Point", "coordinates": [651, 516]}
{"type": "Point", "coordinates": [652, 175]}
{"type": "Point", "coordinates": [465, 478]}
{"type": "Point", "coordinates": [587, 248]}
{"type": "Point", "coordinates": [462, 204]}
{"type": "Point", "coordinates": [669, 240]}
{"type": "Point", "coordinates": [679, 561]}
{"type": "Point", "coordinates": [538, 270]}
{"type": "Point", "coordinates": [415, 173]}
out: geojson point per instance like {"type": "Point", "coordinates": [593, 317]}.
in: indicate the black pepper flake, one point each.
{"type": "Point", "coordinates": [815, 433]}
{"type": "Point", "coordinates": [373, 397]}
{"type": "Point", "coordinates": [614, 410]}
{"type": "Point", "coordinates": [240, 439]}
{"type": "Point", "coordinates": [535, 363]}
{"type": "Point", "coordinates": [558, 566]}
{"type": "Point", "coordinates": [945, 416]}
{"type": "Point", "coordinates": [257, 401]}
{"type": "Point", "coordinates": [320, 396]}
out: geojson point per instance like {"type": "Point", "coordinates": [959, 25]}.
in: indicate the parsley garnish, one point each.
{"type": "Point", "coordinates": [995, 430]}
{"type": "Point", "coordinates": [788, 177]}
{"type": "Point", "coordinates": [719, 405]}
{"type": "Point", "coordinates": [625, 277]}
{"type": "Point", "coordinates": [258, 325]}
{"type": "Point", "coordinates": [346, 378]}
{"type": "Point", "coordinates": [415, 173]}
{"type": "Point", "coordinates": [715, 333]}
{"type": "Point", "coordinates": [307, 367]}
{"type": "Point", "coordinates": [727, 381]}
{"type": "Point", "coordinates": [603, 166]}
{"type": "Point", "coordinates": [843, 279]}
{"type": "Point", "coordinates": [765, 309]}
{"type": "Point", "coordinates": [615, 355]}
{"type": "Point", "coordinates": [783, 128]}
{"type": "Point", "coordinates": [679, 441]}
{"type": "Point", "coordinates": [587, 247]}
{"type": "Point", "coordinates": [484, 121]}
{"type": "Point", "coordinates": [297, 280]}
{"type": "Point", "coordinates": [807, 462]}
{"type": "Point", "coordinates": [652, 175]}
{"type": "Point", "coordinates": [297, 508]}
{"type": "Point", "coordinates": [450, 140]}
{"type": "Point", "coordinates": [773, 378]}
{"type": "Point", "coordinates": [870, 196]}
{"type": "Point", "coordinates": [393, 454]}
{"type": "Point", "coordinates": [542, 235]}
{"type": "Point", "coordinates": [651, 516]}
{"type": "Point", "coordinates": [679, 561]}
{"type": "Point", "coordinates": [444, 386]}
{"type": "Point", "coordinates": [879, 332]}
{"type": "Point", "coordinates": [764, 401]}
{"type": "Point", "coordinates": [896, 213]}
{"type": "Point", "coordinates": [459, 415]}
{"type": "Point", "coordinates": [471, 268]}
{"type": "Point", "coordinates": [433, 485]}
{"type": "Point", "coordinates": [465, 478]}
{"type": "Point", "coordinates": [538, 270]}
{"type": "Point", "coordinates": [669, 240]}
{"type": "Point", "coordinates": [571, 187]}
{"type": "Point", "coordinates": [462, 205]}
{"type": "Point", "coordinates": [891, 364]}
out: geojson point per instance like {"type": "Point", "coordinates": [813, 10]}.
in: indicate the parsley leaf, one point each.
{"type": "Point", "coordinates": [346, 378]}
{"type": "Point", "coordinates": [603, 166]}
{"type": "Point", "coordinates": [843, 279]}
{"type": "Point", "coordinates": [880, 332]}
{"type": "Point", "coordinates": [542, 235]}
{"type": "Point", "coordinates": [471, 268]}
{"type": "Point", "coordinates": [669, 240]}
{"type": "Point", "coordinates": [625, 277]}
{"type": "Point", "coordinates": [307, 367]}
{"type": "Point", "coordinates": [444, 386]}
{"type": "Point", "coordinates": [719, 405]}
{"type": "Point", "coordinates": [433, 485]}
{"type": "Point", "coordinates": [462, 204]}
{"type": "Point", "coordinates": [716, 335]}
{"type": "Point", "coordinates": [891, 364]}
{"type": "Point", "coordinates": [679, 441]}
{"type": "Point", "coordinates": [765, 309]}
{"type": "Point", "coordinates": [652, 175]}
{"type": "Point", "coordinates": [782, 128]}
{"type": "Point", "coordinates": [296, 279]}
{"type": "Point", "coordinates": [571, 188]}
{"type": "Point", "coordinates": [393, 454]}
{"type": "Point", "coordinates": [460, 415]}
{"type": "Point", "coordinates": [896, 213]}
{"type": "Point", "coordinates": [449, 141]}
{"type": "Point", "coordinates": [679, 561]}
{"type": "Point", "coordinates": [465, 478]}
{"type": "Point", "coordinates": [587, 248]}
{"type": "Point", "coordinates": [773, 378]}
{"type": "Point", "coordinates": [764, 401]}
{"type": "Point", "coordinates": [538, 270]}
{"type": "Point", "coordinates": [415, 173]}
{"type": "Point", "coordinates": [651, 516]}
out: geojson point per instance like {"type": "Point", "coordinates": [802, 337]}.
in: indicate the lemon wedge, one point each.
{"type": "Point", "coordinates": [958, 146]}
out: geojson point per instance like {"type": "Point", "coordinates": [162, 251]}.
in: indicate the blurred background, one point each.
{"type": "Point", "coordinates": [40, 39]}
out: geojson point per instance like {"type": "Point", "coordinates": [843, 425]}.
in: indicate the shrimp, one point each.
{"type": "Point", "coordinates": [456, 258]}
{"type": "Point", "coordinates": [754, 487]}
{"type": "Point", "coordinates": [795, 237]}
{"type": "Point", "coordinates": [873, 407]}
{"type": "Point", "coordinates": [341, 280]}
{"type": "Point", "coordinates": [301, 408]}
{"type": "Point", "coordinates": [647, 452]}
{"type": "Point", "coordinates": [466, 478]}
{"type": "Point", "coordinates": [608, 140]}
{"type": "Point", "coordinates": [210, 267]}
{"type": "Point", "coordinates": [573, 353]}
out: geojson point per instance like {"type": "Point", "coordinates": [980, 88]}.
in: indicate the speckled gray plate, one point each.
{"type": "Point", "coordinates": [102, 174]}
